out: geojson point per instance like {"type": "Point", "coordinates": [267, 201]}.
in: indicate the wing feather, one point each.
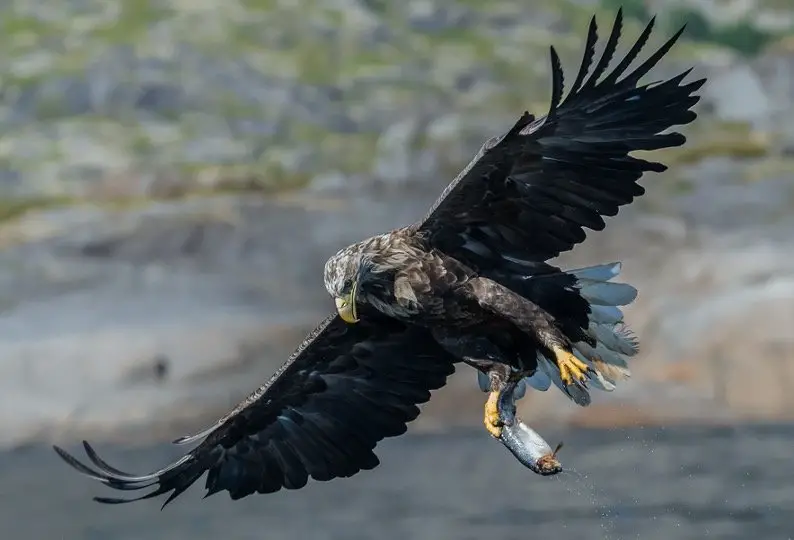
{"type": "Point", "coordinates": [530, 194]}
{"type": "Point", "coordinates": [587, 57]}
{"type": "Point", "coordinates": [320, 416]}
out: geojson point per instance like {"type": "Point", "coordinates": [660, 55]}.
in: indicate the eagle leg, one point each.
{"type": "Point", "coordinates": [481, 354]}
{"type": "Point", "coordinates": [533, 320]}
{"type": "Point", "coordinates": [498, 375]}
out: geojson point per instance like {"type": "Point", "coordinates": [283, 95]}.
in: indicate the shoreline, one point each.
{"type": "Point", "coordinates": [147, 434]}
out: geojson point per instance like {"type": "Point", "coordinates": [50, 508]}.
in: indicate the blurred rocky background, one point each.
{"type": "Point", "coordinates": [174, 173]}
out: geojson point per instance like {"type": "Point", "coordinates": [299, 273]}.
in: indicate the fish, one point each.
{"type": "Point", "coordinates": [526, 444]}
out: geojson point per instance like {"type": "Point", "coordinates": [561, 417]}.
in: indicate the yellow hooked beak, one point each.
{"type": "Point", "coordinates": [346, 306]}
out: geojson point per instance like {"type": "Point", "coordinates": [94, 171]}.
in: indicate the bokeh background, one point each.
{"type": "Point", "coordinates": [174, 173]}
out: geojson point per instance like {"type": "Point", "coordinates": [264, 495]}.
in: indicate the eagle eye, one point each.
{"type": "Point", "coordinates": [347, 285]}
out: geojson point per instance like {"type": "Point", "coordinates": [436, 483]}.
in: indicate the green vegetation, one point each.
{"type": "Point", "coordinates": [742, 36]}
{"type": "Point", "coordinates": [14, 208]}
{"type": "Point", "coordinates": [714, 139]}
{"type": "Point", "coordinates": [320, 82]}
{"type": "Point", "coordinates": [632, 9]}
{"type": "Point", "coordinates": [306, 48]}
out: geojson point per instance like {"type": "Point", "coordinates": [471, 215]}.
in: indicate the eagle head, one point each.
{"type": "Point", "coordinates": [342, 276]}
{"type": "Point", "coordinates": [361, 272]}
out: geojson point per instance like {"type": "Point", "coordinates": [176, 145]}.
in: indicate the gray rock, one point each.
{"type": "Point", "coordinates": [738, 94]}
{"type": "Point", "coordinates": [168, 310]}
{"type": "Point", "coordinates": [393, 158]}
{"type": "Point", "coordinates": [776, 71]}
{"type": "Point", "coordinates": [113, 319]}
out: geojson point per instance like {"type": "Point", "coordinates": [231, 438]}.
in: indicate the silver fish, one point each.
{"type": "Point", "coordinates": [525, 443]}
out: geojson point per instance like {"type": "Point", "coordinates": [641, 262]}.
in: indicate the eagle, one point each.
{"type": "Point", "coordinates": [471, 283]}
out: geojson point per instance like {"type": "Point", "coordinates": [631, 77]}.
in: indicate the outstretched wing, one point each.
{"type": "Point", "coordinates": [320, 415]}
{"type": "Point", "coordinates": [528, 195]}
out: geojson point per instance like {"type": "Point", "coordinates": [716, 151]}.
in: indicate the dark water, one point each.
{"type": "Point", "coordinates": [674, 483]}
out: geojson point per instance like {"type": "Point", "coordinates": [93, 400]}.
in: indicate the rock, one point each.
{"type": "Point", "coordinates": [142, 313]}
{"type": "Point", "coordinates": [112, 358]}
{"type": "Point", "coordinates": [713, 321]}
{"type": "Point", "coordinates": [253, 91]}
{"type": "Point", "coordinates": [776, 72]}
{"type": "Point", "coordinates": [395, 151]}
{"type": "Point", "coordinates": [116, 319]}
{"type": "Point", "coordinates": [738, 95]}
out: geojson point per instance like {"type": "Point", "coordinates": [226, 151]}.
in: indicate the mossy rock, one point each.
{"type": "Point", "coordinates": [261, 94]}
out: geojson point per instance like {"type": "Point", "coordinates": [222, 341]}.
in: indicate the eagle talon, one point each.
{"type": "Point", "coordinates": [572, 370]}
{"type": "Point", "coordinates": [493, 424]}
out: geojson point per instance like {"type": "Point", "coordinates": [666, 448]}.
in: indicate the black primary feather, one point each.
{"type": "Point", "coordinates": [587, 57]}
{"type": "Point", "coordinates": [320, 416]}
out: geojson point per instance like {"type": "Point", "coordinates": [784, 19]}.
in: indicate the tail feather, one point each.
{"type": "Point", "coordinates": [604, 293]}
{"type": "Point", "coordinates": [596, 379]}
{"type": "Point", "coordinates": [601, 272]}
{"type": "Point", "coordinates": [615, 338]}
{"type": "Point", "coordinates": [605, 314]}
{"type": "Point", "coordinates": [595, 286]}
{"type": "Point", "coordinates": [611, 365]}
{"type": "Point", "coordinates": [539, 380]}
{"type": "Point", "coordinates": [614, 342]}
{"type": "Point", "coordinates": [551, 371]}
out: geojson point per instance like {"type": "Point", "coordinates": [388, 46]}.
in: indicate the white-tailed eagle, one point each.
{"type": "Point", "coordinates": [470, 283]}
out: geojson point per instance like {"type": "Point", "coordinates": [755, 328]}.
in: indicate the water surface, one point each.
{"type": "Point", "coordinates": [673, 483]}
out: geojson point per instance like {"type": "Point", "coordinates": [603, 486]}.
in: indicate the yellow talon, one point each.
{"type": "Point", "coordinates": [492, 422]}
{"type": "Point", "coordinates": [571, 368]}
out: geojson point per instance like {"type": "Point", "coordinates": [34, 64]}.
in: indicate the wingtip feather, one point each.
{"type": "Point", "coordinates": [557, 82]}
